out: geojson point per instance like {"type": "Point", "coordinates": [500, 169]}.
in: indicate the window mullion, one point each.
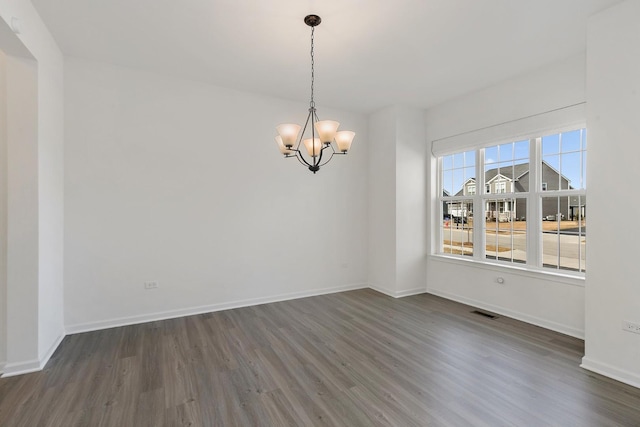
{"type": "Point", "coordinates": [534, 214]}
{"type": "Point", "coordinates": [438, 221]}
{"type": "Point", "coordinates": [478, 209]}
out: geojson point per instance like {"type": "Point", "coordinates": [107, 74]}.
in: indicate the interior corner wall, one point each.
{"type": "Point", "coordinates": [50, 203]}
{"type": "Point", "coordinates": [554, 303]}
{"type": "Point", "coordinates": [410, 200]}
{"type": "Point", "coordinates": [22, 214]}
{"type": "Point", "coordinates": [181, 183]}
{"type": "Point", "coordinates": [613, 109]}
{"type": "Point", "coordinates": [382, 195]}
{"type": "Point", "coordinates": [3, 213]}
{"type": "Point", "coordinates": [35, 190]}
{"type": "Point", "coordinates": [397, 236]}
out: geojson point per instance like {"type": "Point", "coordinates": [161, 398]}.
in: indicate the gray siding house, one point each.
{"type": "Point", "coordinates": [515, 179]}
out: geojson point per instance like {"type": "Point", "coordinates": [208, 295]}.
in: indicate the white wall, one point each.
{"type": "Point", "coordinates": [381, 208]}
{"type": "Point", "coordinates": [613, 288]}
{"type": "Point", "coordinates": [3, 212]}
{"type": "Point", "coordinates": [22, 212]}
{"type": "Point", "coordinates": [181, 183]}
{"type": "Point", "coordinates": [397, 236]}
{"type": "Point", "coordinates": [411, 206]}
{"type": "Point", "coordinates": [50, 201]}
{"type": "Point", "coordinates": [553, 302]}
{"type": "Point", "coordinates": [35, 201]}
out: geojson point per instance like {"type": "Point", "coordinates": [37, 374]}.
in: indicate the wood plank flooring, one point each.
{"type": "Point", "coordinates": [356, 358]}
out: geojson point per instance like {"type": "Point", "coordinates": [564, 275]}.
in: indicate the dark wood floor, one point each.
{"type": "Point", "coordinates": [351, 359]}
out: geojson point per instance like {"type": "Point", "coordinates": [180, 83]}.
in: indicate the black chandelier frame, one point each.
{"type": "Point", "coordinates": [316, 161]}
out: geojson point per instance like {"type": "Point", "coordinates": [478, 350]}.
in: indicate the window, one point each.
{"type": "Point", "coordinates": [533, 209]}
{"type": "Point", "coordinates": [458, 172]}
{"type": "Point", "coordinates": [563, 165]}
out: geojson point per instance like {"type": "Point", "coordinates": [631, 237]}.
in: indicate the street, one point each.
{"type": "Point", "coordinates": [508, 245]}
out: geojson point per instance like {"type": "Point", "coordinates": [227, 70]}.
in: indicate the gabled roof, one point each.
{"type": "Point", "coordinates": [508, 172]}
{"type": "Point", "coordinates": [497, 176]}
{"type": "Point", "coordinates": [467, 181]}
{"type": "Point", "coordinates": [464, 184]}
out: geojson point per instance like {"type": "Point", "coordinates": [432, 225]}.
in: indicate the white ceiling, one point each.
{"type": "Point", "coordinates": [369, 53]}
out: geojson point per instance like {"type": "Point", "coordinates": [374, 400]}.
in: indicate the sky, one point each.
{"type": "Point", "coordinates": [561, 151]}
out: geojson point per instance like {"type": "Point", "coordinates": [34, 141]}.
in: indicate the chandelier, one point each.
{"type": "Point", "coordinates": [323, 133]}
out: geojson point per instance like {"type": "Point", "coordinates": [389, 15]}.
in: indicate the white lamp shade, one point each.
{"type": "Point", "coordinates": [289, 133]}
{"type": "Point", "coordinates": [326, 130]}
{"type": "Point", "coordinates": [314, 146]}
{"type": "Point", "coordinates": [281, 146]}
{"type": "Point", "coordinates": [344, 139]}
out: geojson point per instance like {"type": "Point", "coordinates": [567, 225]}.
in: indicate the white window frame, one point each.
{"type": "Point", "coordinates": [534, 203]}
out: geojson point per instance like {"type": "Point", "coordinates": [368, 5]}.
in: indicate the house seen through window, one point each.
{"type": "Point", "coordinates": [513, 221]}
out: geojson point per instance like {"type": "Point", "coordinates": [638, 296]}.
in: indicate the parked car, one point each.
{"type": "Point", "coordinates": [552, 217]}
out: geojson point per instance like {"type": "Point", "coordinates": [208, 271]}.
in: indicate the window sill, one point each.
{"type": "Point", "coordinates": [577, 279]}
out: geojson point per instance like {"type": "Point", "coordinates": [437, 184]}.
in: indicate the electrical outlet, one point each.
{"type": "Point", "coordinates": [151, 285]}
{"type": "Point", "coordinates": [631, 327]}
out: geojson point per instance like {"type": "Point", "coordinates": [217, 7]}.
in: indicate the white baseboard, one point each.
{"type": "Point", "coordinates": [554, 326]}
{"type": "Point", "coordinates": [611, 371]}
{"type": "Point", "coordinates": [54, 346]}
{"type": "Point", "coordinates": [399, 294]}
{"type": "Point", "coordinates": [409, 292]}
{"type": "Point", "coordinates": [171, 314]}
{"type": "Point", "coordinates": [387, 292]}
{"type": "Point", "coordinates": [24, 367]}
{"type": "Point", "coordinates": [34, 365]}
